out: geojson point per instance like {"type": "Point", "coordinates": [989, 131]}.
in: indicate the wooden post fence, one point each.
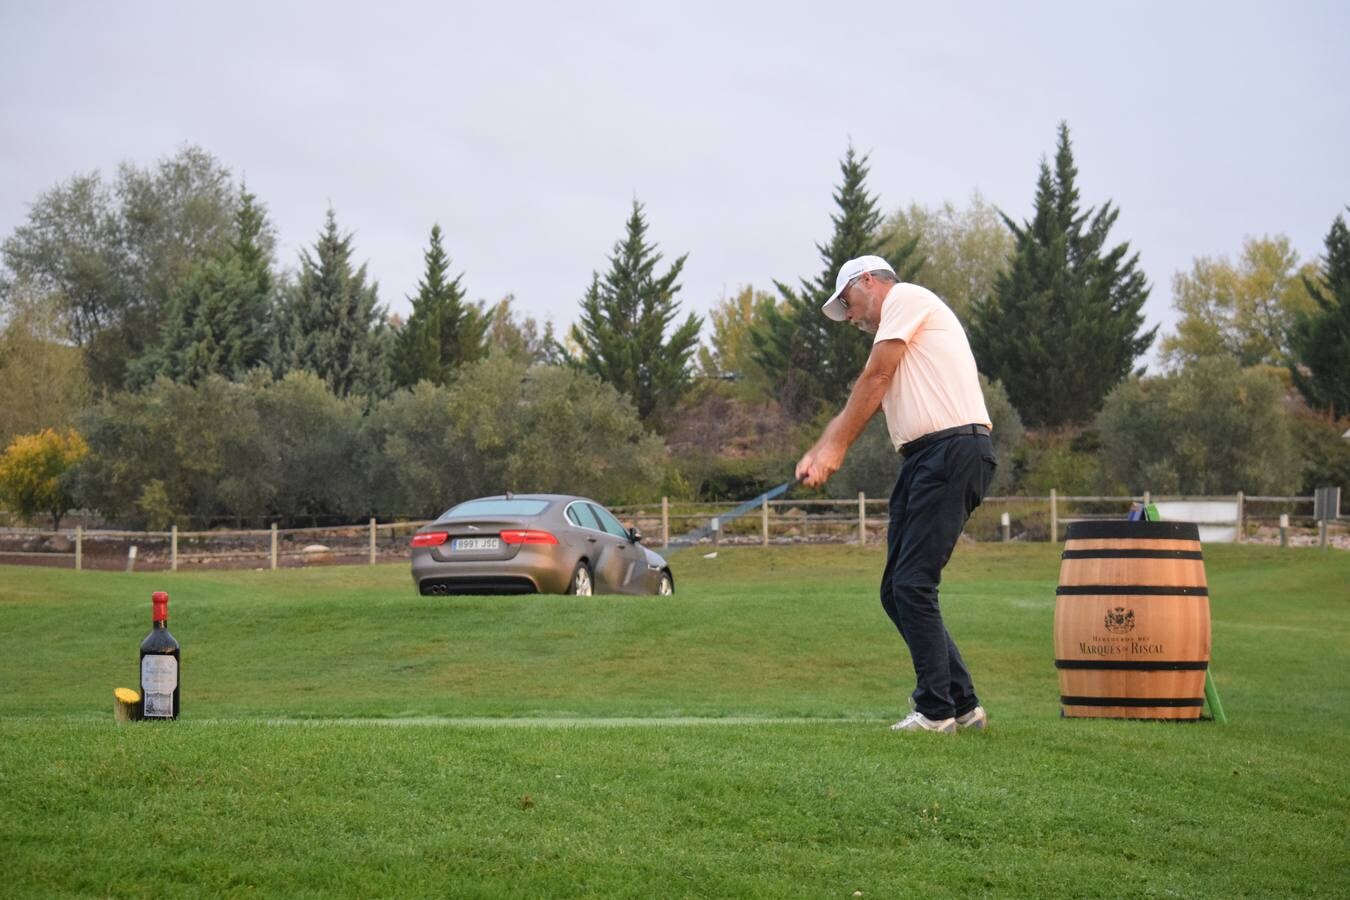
{"type": "Point", "coordinates": [372, 541]}
{"type": "Point", "coordinates": [1054, 517]}
{"type": "Point", "coordinates": [173, 548]}
{"type": "Point", "coordinates": [665, 521]}
{"type": "Point", "coordinates": [79, 547]}
{"type": "Point", "coordinates": [862, 519]}
{"type": "Point", "coordinates": [274, 545]}
{"type": "Point", "coordinates": [764, 523]}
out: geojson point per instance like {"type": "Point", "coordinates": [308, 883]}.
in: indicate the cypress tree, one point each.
{"type": "Point", "coordinates": [812, 360]}
{"type": "Point", "coordinates": [623, 324]}
{"type": "Point", "coordinates": [1321, 341]}
{"type": "Point", "coordinates": [443, 331]}
{"type": "Point", "coordinates": [332, 324]}
{"type": "Point", "coordinates": [1062, 326]}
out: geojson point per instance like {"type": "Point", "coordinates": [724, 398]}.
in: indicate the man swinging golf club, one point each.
{"type": "Point", "coordinates": [922, 373]}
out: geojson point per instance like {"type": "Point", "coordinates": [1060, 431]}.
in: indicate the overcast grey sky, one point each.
{"type": "Point", "coordinates": [526, 129]}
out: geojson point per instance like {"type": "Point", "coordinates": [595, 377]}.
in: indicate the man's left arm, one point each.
{"type": "Point", "coordinates": [825, 458]}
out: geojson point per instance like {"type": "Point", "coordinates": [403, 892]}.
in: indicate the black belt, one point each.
{"type": "Point", "coordinates": [932, 437]}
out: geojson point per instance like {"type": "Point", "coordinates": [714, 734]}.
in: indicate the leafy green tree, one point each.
{"type": "Point", "coordinates": [32, 471]}
{"type": "Point", "coordinates": [1210, 428]}
{"type": "Point", "coordinates": [1320, 339]}
{"type": "Point", "coordinates": [420, 460]}
{"type": "Point", "coordinates": [1245, 309]}
{"type": "Point", "coordinates": [564, 431]}
{"type": "Point", "coordinates": [625, 316]}
{"type": "Point", "coordinates": [222, 451]}
{"type": "Point", "coordinates": [115, 253]}
{"type": "Point", "coordinates": [313, 456]}
{"type": "Point", "coordinates": [219, 317]}
{"type": "Point", "coordinates": [332, 323]}
{"type": "Point", "coordinates": [175, 452]}
{"type": "Point", "coordinates": [811, 360]}
{"type": "Point", "coordinates": [1325, 454]}
{"type": "Point", "coordinates": [1062, 326]}
{"type": "Point", "coordinates": [44, 376]}
{"type": "Point", "coordinates": [519, 337]}
{"type": "Point", "coordinates": [730, 351]}
{"type": "Point", "coordinates": [963, 249]}
{"type": "Point", "coordinates": [443, 331]}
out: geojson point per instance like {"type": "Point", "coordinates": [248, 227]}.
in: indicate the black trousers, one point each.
{"type": "Point", "coordinates": [938, 488]}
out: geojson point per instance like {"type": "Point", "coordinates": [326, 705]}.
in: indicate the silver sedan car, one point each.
{"type": "Point", "coordinates": [534, 543]}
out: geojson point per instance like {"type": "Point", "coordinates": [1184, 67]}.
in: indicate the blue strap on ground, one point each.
{"type": "Point", "coordinates": [699, 534]}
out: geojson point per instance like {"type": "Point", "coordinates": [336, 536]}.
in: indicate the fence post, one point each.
{"type": "Point", "coordinates": [862, 519]}
{"type": "Point", "coordinates": [1006, 521]}
{"type": "Point", "coordinates": [764, 522]}
{"type": "Point", "coordinates": [665, 521]}
{"type": "Point", "coordinates": [173, 548]}
{"type": "Point", "coordinates": [1054, 516]}
{"type": "Point", "coordinates": [1322, 532]}
{"type": "Point", "coordinates": [716, 530]}
{"type": "Point", "coordinates": [1241, 520]}
{"type": "Point", "coordinates": [274, 545]}
{"type": "Point", "coordinates": [1148, 498]}
{"type": "Point", "coordinates": [1284, 529]}
{"type": "Point", "coordinates": [79, 547]}
{"type": "Point", "coordinates": [372, 540]}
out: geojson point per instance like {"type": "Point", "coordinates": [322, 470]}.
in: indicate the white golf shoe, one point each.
{"type": "Point", "coordinates": [976, 720]}
{"type": "Point", "coordinates": [917, 721]}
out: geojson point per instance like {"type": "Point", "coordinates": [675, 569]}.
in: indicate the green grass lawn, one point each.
{"type": "Point", "coordinates": [728, 741]}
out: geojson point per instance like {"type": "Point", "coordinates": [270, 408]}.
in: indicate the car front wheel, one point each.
{"type": "Point", "coordinates": [581, 584]}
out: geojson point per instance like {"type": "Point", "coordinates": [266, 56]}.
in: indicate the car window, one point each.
{"type": "Point", "coordinates": [572, 515]}
{"type": "Point", "coordinates": [496, 506]}
{"type": "Point", "coordinates": [608, 522]}
{"type": "Point", "coordinates": [584, 514]}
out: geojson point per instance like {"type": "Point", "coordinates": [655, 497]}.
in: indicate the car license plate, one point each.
{"type": "Point", "coordinates": [476, 544]}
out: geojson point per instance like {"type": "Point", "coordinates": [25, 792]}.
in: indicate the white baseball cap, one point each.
{"type": "Point", "coordinates": [834, 307]}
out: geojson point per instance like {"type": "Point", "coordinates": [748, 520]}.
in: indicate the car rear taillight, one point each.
{"type": "Point", "coordinates": [528, 537]}
{"type": "Point", "coordinates": [430, 539]}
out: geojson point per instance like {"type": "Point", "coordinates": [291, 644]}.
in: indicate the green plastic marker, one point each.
{"type": "Point", "coordinates": [1212, 698]}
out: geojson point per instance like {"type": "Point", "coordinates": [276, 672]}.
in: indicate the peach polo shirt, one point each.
{"type": "Point", "coordinates": [935, 385]}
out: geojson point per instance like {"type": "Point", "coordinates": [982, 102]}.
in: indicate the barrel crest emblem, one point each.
{"type": "Point", "coordinates": [1120, 620]}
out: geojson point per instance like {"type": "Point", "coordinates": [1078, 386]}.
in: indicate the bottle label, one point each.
{"type": "Point", "coordinates": [159, 677]}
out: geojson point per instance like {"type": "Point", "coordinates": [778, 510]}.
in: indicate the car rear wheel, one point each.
{"type": "Point", "coordinates": [667, 586]}
{"type": "Point", "coordinates": [581, 584]}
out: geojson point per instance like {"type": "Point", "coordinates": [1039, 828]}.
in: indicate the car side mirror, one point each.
{"type": "Point", "coordinates": [635, 535]}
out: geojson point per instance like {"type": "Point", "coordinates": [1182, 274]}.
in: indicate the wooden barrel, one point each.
{"type": "Point", "coordinates": [1132, 621]}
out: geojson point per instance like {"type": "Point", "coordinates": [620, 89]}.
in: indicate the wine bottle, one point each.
{"type": "Point", "coordinates": [159, 664]}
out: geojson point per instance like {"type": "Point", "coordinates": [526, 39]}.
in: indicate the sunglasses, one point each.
{"type": "Point", "coordinates": [842, 294]}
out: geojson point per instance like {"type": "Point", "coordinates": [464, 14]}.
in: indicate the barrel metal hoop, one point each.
{"type": "Point", "coordinates": [1136, 531]}
{"type": "Point", "coordinates": [1133, 701]}
{"type": "Point", "coordinates": [1132, 554]}
{"type": "Point", "coordinates": [1151, 590]}
{"type": "Point", "coordinates": [1137, 665]}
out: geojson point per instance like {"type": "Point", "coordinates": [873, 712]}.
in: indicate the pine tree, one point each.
{"type": "Point", "coordinates": [1062, 326]}
{"type": "Point", "coordinates": [1321, 341]}
{"type": "Point", "coordinates": [219, 315]}
{"type": "Point", "coordinates": [254, 308]}
{"type": "Point", "coordinates": [812, 360]}
{"type": "Point", "coordinates": [624, 318]}
{"type": "Point", "coordinates": [443, 331]}
{"type": "Point", "coordinates": [332, 323]}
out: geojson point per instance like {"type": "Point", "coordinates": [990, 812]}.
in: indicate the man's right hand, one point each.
{"type": "Point", "coordinates": [820, 462]}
